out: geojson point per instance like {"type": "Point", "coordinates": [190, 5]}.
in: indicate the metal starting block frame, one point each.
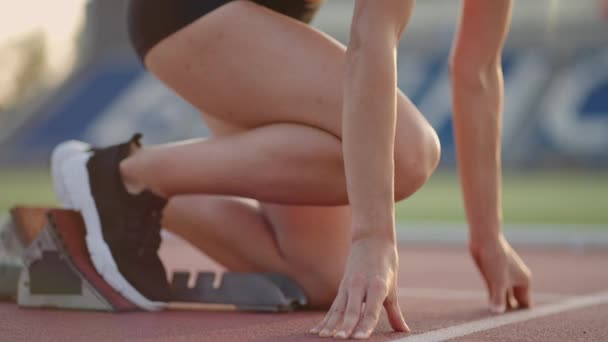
{"type": "Point", "coordinates": [56, 272]}
{"type": "Point", "coordinates": [271, 292]}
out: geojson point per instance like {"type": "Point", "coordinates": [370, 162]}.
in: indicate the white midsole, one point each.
{"type": "Point", "coordinates": [72, 184]}
{"type": "Point", "coordinates": [60, 155]}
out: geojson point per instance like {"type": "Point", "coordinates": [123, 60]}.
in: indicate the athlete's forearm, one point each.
{"type": "Point", "coordinates": [370, 107]}
{"type": "Point", "coordinates": [370, 112]}
{"type": "Point", "coordinates": [477, 126]}
{"type": "Point", "coordinates": [477, 94]}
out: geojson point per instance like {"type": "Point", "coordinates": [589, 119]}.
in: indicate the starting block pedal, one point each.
{"type": "Point", "coordinates": [10, 261]}
{"type": "Point", "coordinates": [12, 246]}
{"type": "Point", "coordinates": [58, 272]}
{"type": "Point", "coordinates": [55, 271]}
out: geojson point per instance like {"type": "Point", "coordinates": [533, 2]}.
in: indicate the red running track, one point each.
{"type": "Point", "coordinates": [440, 289]}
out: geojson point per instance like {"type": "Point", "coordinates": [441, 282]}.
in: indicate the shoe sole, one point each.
{"type": "Point", "coordinates": [72, 182]}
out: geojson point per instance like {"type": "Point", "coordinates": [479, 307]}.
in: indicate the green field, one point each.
{"type": "Point", "coordinates": [530, 197]}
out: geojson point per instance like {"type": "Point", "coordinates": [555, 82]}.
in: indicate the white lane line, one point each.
{"type": "Point", "coordinates": [509, 318]}
{"type": "Point", "coordinates": [434, 293]}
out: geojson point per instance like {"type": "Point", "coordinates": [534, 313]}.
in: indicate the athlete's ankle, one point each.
{"type": "Point", "coordinates": [129, 171]}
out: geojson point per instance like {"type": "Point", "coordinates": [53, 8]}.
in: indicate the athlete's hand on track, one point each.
{"type": "Point", "coordinates": [370, 277]}
{"type": "Point", "coordinates": [506, 275]}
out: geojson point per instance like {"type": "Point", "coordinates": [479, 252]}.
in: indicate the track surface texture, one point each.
{"type": "Point", "coordinates": [441, 294]}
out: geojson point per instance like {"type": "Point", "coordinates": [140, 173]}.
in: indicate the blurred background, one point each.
{"type": "Point", "coordinates": [67, 71]}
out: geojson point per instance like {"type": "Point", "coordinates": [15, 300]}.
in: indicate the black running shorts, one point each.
{"type": "Point", "coordinates": [150, 21]}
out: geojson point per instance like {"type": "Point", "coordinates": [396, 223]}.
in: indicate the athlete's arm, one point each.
{"type": "Point", "coordinates": [369, 119]}
{"type": "Point", "coordinates": [477, 94]}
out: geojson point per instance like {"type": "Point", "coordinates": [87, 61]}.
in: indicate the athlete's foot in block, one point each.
{"type": "Point", "coordinates": [123, 230]}
{"type": "Point", "coordinates": [507, 277]}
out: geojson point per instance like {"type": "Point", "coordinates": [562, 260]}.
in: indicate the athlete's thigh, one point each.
{"type": "Point", "coordinates": [251, 66]}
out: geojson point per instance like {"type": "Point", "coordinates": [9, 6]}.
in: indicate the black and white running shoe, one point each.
{"type": "Point", "coordinates": [123, 230]}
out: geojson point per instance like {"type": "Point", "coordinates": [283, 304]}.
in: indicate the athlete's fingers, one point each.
{"type": "Point", "coordinates": [486, 281]}
{"type": "Point", "coordinates": [335, 315]}
{"type": "Point", "coordinates": [337, 306]}
{"type": "Point", "coordinates": [510, 300]}
{"type": "Point", "coordinates": [522, 294]}
{"type": "Point", "coordinates": [374, 298]}
{"type": "Point", "coordinates": [521, 289]}
{"type": "Point", "coordinates": [317, 329]}
{"type": "Point", "coordinates": [353, 311]}
{"type": "Point", "coordinates": [393, 311]}
{"type": "Point", "coordinates": [484, 276]}
{"type": "Point", "coordinates": [320, 325]}
{"type": "Point", "coordinates": [498, 301]}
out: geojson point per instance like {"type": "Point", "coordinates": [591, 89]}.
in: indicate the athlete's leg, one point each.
{"type": "Point", "coordinates": [308, 244]}
{"type": "Point", "coordinates": [316, 242]}
{"type": "Point", "coordinates": [282, 162]}
{"type": "Point", "coordinates": [230, 230]}
{"type": "Point", "coordinates": [279, 80]}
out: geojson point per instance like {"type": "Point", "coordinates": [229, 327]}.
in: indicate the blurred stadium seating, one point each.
{"type": "Point", "coordinates": [556, 74]}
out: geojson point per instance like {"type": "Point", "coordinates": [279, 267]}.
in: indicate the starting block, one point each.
{"type": "Point", "coordinates": [271, 292]}
{"type": "Point", "coordinates": [10, 261]}
{"type": "Point", "coordinates": [12, 246]}
{"type": "Point", "coordinates": [47, 265]}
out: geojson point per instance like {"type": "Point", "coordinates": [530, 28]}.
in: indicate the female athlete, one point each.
{"type": "Point", "coordinates": [312, 145]}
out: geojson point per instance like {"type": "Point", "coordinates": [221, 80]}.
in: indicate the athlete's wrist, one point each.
{"type": "Point", "coordinates": [373, 229]}
{"type": "Point", "coordinates": [484, 238]}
